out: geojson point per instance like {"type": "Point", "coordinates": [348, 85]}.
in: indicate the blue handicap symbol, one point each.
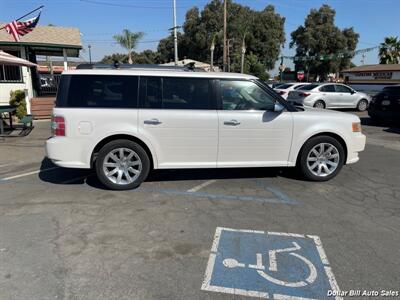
{"type": "Point", "coordinates": [268, 265]}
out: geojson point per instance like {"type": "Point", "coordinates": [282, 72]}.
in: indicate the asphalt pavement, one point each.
{"type": "Point", "coordinates": [200, 234]}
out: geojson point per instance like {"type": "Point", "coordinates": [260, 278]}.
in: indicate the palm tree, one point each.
{"type": "Point", "coordinates": [128, 40]}
{"type": "Point", "coordinates": [389, 51]}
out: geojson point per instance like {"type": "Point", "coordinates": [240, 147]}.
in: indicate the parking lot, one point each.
{"type": "Point", "coordinates": [199, 234]}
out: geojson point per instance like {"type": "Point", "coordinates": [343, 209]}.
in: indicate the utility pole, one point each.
{"type": "Point", "coordinates": [90, 53]}
{"type": "Point", "coordinates": [212, 48]}
{"type": "Point", "coordinates": [228, 53]}
{"type": "Point", "coordinates": [363, 58]}
{"type": "Point", "coordinates": [175, 35]}
{"type": "Point", "coordinates": [243, 53]}
{"type": "Point", "coordinates": [225, 50]}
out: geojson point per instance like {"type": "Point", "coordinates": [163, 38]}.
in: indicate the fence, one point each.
{"type": "Point", "coordinates": [49, 83]}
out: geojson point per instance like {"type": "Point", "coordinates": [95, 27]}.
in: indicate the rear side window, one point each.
{"type": "Point", "coordinates": [176, 93]}
{"type": "Point", "coordinates": [285, 86]}
{"type": "Point", "coordinates": [98, 91]}
{"type": "Point", "coordinates": [330, 88]}
{"type": "Point", "coordinates": [309, 87]}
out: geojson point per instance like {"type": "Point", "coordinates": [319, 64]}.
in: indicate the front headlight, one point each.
{"type": "Point", "coordinates": [356, 126]}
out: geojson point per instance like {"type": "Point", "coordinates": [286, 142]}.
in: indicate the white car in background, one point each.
{"type": "Point", "coordinates": [285, 88]}
{"type": "Point", "coordinates": [329, 95]}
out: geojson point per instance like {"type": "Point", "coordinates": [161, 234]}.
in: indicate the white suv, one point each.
{"type": "Point", "coordinates": [125, 122]}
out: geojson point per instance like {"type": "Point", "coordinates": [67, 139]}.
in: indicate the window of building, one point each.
{"type": "Point", "coordinates": [11, 73]}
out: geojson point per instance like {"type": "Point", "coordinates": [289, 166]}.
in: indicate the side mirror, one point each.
{"type": "Point", "coordinates": [278, 107]}
{"type": "Point", "coordinates": [353, 92]}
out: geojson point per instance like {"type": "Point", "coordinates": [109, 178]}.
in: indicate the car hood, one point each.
{"type": "Point", "coordinates": [324, 113]}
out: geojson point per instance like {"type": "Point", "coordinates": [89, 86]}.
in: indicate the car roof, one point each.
{"type": "Point", "coordinates": [164, 73]}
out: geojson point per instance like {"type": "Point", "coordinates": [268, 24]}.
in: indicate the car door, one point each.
{"type": "Point", "coordinates": [329, 95]}
{"type": "Point", "coordinates": [179, 117]}
{"type": "Point", "coordinates": [345, 96]}
{"type": "Point", "coordinates": [251, 133]}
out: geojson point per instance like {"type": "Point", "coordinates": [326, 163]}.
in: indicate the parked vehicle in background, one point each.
{"type": "Point", "coordinates": [329, 95]}
{"type": "Point", "coordinates": [385, 106]}
{"type": "Point", "coordinates": [125, 122]}
{"type": "Point", "coordinates": [285, 88]}
{"type": "Point", "coordinates": [274, 84]}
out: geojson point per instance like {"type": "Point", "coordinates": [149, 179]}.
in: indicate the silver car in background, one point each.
{"type": "Point", "coordinates": [329, 95]}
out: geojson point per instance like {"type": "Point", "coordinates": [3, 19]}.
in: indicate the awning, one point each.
{"type": "Point", "coordinates": [11, 60]}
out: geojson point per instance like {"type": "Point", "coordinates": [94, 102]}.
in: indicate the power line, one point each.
{"type": "Point", "coordinates": [129, 5]}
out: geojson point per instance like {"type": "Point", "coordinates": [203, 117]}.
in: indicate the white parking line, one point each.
{"type": "Point", "coordinates": [28, 174]}
{"type": "Point", "coordinates": [200, 186]}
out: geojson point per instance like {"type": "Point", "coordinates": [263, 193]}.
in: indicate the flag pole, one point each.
{"type": "Point", "coordinates": [31, 12]}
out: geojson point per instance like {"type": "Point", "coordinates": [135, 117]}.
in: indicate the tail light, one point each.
{"type": "Point", "coordinates": [302, 94]}
{"type": "Point", "coordinates": [58, 126]}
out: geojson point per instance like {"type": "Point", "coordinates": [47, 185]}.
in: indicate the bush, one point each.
{"type": "Point", "coordinates": [17, 99]}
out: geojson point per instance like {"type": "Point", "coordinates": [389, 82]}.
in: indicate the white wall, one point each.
{"type": "Point", "coordinates": [6, 88]}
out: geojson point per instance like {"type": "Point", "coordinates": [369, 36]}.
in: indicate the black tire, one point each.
{"type": "Point", "coordinates": [362, 105]}
{"type": "Point", "coordinates": [308, 146]}
{"type": "Point", "coordinates": [130, 145]}
{"type": "Point", "coordinates": [320, 102]}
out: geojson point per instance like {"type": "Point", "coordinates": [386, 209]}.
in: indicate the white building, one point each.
{"type": "Point", "coordinates": [42, 41]}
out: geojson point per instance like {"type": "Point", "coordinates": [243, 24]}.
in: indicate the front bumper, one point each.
{"type": "Point", "coordinates": [357, 145]}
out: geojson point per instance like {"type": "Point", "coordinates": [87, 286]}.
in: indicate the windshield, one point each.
{"type": "Point", "coordinates": [309, 87]}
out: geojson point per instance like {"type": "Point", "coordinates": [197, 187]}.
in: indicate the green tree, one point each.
{"type": "Point", "coordinates": [129, 41]}
{"type": "Point", "coordinates": [319, 37]}
{"type": "Point", "coordinates": [145, 57]}
{"type": "Point", "coordinates": [389, 51]}
{"type": "Point", "coordinates": [263, 31]}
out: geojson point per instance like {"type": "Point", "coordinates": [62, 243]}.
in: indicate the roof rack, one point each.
{"type": "Point", "coordinates": [117, 65]}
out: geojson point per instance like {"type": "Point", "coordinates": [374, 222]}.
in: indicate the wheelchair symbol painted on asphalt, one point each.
{"type": "Point", "coordinates": [268, 265]}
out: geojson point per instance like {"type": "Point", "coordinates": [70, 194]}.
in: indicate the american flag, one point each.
{"type": "Point", "coordinates": [20, 28]}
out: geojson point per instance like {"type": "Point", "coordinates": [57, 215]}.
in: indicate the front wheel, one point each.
{"type": "Point", "coordinates": [321, 158]}
{"type": "Point", "coordinates": [122, 165]}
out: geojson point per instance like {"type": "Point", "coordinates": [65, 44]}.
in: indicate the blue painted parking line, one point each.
{"type": "Point", "coordinates": [279, 196]}
{"type": "Point", "coordinates": [269, 265]}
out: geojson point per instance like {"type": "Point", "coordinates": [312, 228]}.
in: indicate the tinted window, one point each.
{"type": "Point", "coordinates": [176, 93]}
{"type": "Point", "coordinates": [285, 86]}
{"type": "Point", "coordinates": [342, 89]}
{"type": "Point", "coordinates": [392, 90]}
{"type": "Point", "coordinates": [244, 95]}
{"type": "Point", "coordinates": [309, 87]}
{"type": "Point", "coordinates": [330, 88]}
{"type": "Point", "coordinates": [150, 92]}
{"type": "Point", "coordinates": [299, 87]}
{"type": "Point", "coordinates": [98, 91]}
{"type": "Point", "coordinates": [186, 93]}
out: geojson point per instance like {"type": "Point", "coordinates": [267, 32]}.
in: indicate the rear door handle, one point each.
{"type": "Point", "coordinates": [232, 123]}
{"type": "Point", "coordinates": [152, 122]}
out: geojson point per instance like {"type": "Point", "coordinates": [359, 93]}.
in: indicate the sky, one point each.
{"type": "Point", "coordinates": [99, 20]}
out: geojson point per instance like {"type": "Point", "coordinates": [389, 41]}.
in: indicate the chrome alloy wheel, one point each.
{"type": "Point", "coordinates": [323, 159]}
{"type": "Point", "coordinates": [122, 166]}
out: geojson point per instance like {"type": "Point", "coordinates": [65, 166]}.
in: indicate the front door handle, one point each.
{"type": "Point", "coordinates": [232, 123]}
{"type": "Point", "coordinates": [152, 122]}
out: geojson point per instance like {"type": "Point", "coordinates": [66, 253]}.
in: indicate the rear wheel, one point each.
{"type": "Point", "coordinates": [362, 105]}
{"type": "Point", "coordinates": [319, 104]}
{"type": "Point", "coordinates": [122, 165]}
{"type": "Point", "coordinates": [321, 158]}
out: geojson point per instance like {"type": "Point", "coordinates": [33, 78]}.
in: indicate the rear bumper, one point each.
{"type": "Point", "coordinates": [64, 153]}
{"type": "Point", "coordinates": [357, 145]}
